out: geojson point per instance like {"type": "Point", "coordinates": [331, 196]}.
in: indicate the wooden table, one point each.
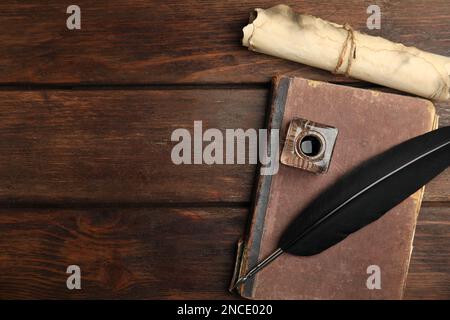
{"type": "Point", "coordinates": [85, 123]}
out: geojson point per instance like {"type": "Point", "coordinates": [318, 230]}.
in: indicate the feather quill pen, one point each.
{"type": "Point", "coordinates": [363, 196]}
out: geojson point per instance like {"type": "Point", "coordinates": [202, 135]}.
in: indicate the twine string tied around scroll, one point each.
{"type": "Point", "coordinates": [352, 53]}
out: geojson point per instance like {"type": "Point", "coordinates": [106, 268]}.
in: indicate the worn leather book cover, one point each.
{"type": "Point", "coordinates": [371, 263]}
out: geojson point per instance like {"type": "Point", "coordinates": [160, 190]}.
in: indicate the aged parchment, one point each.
{"type": "Point", "coordinates": [281, 32]}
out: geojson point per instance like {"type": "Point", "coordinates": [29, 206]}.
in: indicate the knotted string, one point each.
{"type": "Point", "coordinates": [352, 55]}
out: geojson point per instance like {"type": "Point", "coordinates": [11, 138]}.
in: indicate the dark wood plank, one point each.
{"type": "Point", "coordinates": [168, 41]}
{"type": "Point", "coordinates": [429, 275]}
{"type": "Point", "coordinates": [162, 252]}
{"type": "Point", "coordinates": [114, 146]}
{"type": "Point", "coordinates": [149, 253]}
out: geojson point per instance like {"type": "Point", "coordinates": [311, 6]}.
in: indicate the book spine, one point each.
{"type": "Point", "coordinates": [248, 253]}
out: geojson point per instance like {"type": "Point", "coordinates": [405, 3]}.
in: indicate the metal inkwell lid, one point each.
{"type": "Point", "coordinates": [309, 145]}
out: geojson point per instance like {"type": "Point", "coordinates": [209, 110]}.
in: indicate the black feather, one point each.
{"type": "Point", "coordinates": [363, 196]}
{"type": "Point", "coordinates": [367, 193]}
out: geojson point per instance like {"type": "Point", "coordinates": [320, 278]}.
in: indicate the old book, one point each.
{"type": "Point", "coordinates": [371, 263]}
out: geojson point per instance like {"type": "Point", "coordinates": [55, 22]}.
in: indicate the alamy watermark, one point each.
{"type": "Point", "coordinates": [374, 20]}
{"type": "Point", "coordinates": [213, 146]}
{"type": "Point", "coordinates": [374, 280]}
{"type": "Point", "coordinates": [74, 280]}
{"type": "Point", "coordinates": [73, 21]}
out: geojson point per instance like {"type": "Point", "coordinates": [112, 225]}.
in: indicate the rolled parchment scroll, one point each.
{"type": "Point", "coordinates": [281, 32]}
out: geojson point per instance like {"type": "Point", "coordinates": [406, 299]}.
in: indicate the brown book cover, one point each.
{"type": "Point", "coordinates": [369, 122]}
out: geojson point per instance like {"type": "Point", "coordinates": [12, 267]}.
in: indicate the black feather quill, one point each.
{"type": "Point", "coordinates": [363, 196]}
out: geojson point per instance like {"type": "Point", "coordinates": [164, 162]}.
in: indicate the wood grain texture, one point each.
{"type": "Point", "coordinates": [138, 41]}
{"type": "Point", "coordinates": [86, 168]}
{"type": "Point", "coordinates": [428, 275]}
{"type": "Point", "coordinates": [114, 146]}
{"type": "Point", "coordinates": [164, 253]}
